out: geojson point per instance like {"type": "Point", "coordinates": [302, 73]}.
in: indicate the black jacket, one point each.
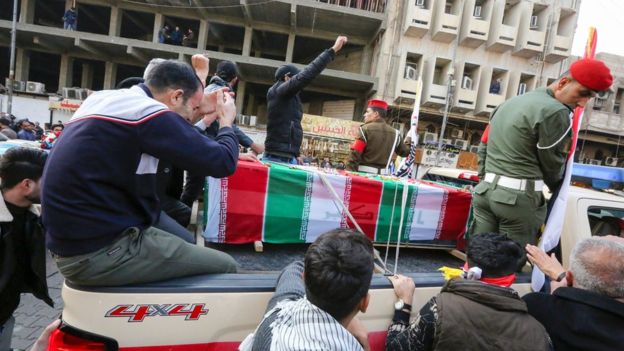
{"type": "Point", "coordinates": [284, 110]}
{"type": "Point", "coordinates": [578, 319]}
{"type": "Point", "coordinates": [33, 279]}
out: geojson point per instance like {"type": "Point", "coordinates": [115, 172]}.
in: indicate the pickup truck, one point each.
{"type": "Point", "coordinates": [216, 312]}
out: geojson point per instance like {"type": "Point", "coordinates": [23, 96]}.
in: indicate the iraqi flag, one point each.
{"type": "Point", "coordinates": [283, 204]}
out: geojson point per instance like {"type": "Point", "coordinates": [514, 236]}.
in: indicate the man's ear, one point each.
{"type": "Point", "coordinates": [177, 97]}
{"type": "Point", "coordinates": [363, 305]}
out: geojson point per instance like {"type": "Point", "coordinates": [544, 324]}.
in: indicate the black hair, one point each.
{"type": "Point", "coordinates": [5, 121]}
{"type": "Point", "coordinates": [129, 82]}
{"type": "Point", "coordinates": [171, 74]}
{"type": "Point", "coordinates": [57, 125]}
{"type": "Point", "coordinates": [21, 163]}
{"type": "Point", "coordinates": [338, 270]}
{"type": "Point", "coordinates": [381, 111]}
{"type": "Point", "coordinates": [494, 253]}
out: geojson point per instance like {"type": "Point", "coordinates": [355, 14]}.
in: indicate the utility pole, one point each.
{"type": "Point", "coordinates": [12, 61]}
{"type": "Point", "coordinates": [450, 87]}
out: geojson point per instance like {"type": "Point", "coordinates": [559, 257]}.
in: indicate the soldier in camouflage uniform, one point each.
{"type": "Point", "coordinates": [527, 145]}
{"type": "Point", "coordinates": [376, 143]}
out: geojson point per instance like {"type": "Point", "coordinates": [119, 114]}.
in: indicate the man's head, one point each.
{"type": "Point", "coordinates": [227, 71]}
{"type": "Point", "coordinates": [285, 72]}
{"type": "Point", "coordinates": [377, 109]}
{"type": "Point", "coordinates": [597, 265]}
{"type": "Point", "coordinates": [494, 253]}
{"type": "Point", "coordinates": [20, 171]}
{"type": "Point", "coordinates": [4, 122]}
{"type": "Point", "coordinates": [337, 273]}
{"type": "Point", "coordinates": [57, 128]}
{"type": "Point", "coordinates": [25, 124]}
{"type": "Point", "coordinates": [176, 85]}
{"type": "Point", "coordinates": [583, 81]}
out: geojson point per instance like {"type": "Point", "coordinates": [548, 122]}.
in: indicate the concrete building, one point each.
{"type": "Point", "coordinates": [519, 44]}
{"type": "Point", "coordinates": [490, 50]}
{"type": "Point", "coordinates": [602, 130]}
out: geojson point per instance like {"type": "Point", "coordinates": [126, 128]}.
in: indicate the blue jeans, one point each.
{"type": "Point", "coordinates": [70, 26]}
{"type": "Point", "coordinates": [279, 159]}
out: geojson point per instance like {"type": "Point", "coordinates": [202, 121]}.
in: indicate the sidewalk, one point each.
{"type": "Point", "coordinates": [33, 315]}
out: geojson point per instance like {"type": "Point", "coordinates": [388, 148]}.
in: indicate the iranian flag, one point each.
{"type": "Point", "coordinates": [283, 204]}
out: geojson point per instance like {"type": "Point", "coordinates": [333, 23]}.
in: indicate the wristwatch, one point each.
{"type": "Point", "coordinates": [561, 276]}
{"type": "Point", "coordinates": [400, 305]}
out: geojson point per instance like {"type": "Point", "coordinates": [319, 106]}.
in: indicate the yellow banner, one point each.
{"type": "Point", "coordinates": [65, 104]}
{"type": "Point", "coordinates": [330, 127]}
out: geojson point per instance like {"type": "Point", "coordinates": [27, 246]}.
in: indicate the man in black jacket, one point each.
{"type": "Point", "coordinates": [284, 109]}
{"type": "Point", "coordinates": [585, 310]}
{"type": "Point", "coordinates": [22, 245]}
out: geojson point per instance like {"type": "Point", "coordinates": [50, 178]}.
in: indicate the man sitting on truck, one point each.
{"type": "Point", "coordinates": [478, 312]}
{"type": "Point", "coordinates": [585, 309]}
{"type": "Point", "coordinates": [99, 185]}
{"type": "Point", "coordinates": [315, 301]}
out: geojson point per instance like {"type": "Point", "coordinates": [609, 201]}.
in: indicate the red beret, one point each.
{"type": "Point", "coordinates": [592, 74]}
{"type": "Point", "coordinates": [378, 104]}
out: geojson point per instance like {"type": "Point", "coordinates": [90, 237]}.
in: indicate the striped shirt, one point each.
{"type": "Point", "coordinates": [294, 323]}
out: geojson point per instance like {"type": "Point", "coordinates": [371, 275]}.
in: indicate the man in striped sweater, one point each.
{"type": "Point", "coordinates": [315, 301]}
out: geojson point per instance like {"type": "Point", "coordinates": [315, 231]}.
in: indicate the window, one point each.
{"type": "Point", "coordinates": [606, 221]}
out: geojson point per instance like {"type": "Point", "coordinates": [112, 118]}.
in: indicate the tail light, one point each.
{"type": "Point", "coordinates": [68, 338]}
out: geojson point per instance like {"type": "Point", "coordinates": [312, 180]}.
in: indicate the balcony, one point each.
{"type": "Point", "coordinates": [476, 33]}
{"type": "Point", "coordinates": [435, 96]}
{"type": "Point", "coordinates": [445, 28]}
{"type": "Point", "coordinates": [465, 100]}
{"type": "Point", "coordinates": [605, 122]}
{"type": "Point", "coordinates": [489, 103]}
{"type": "Point", "coordinates": [405, 91]}
{"type": "Point", "coordinates": [532, 44]}
{"type": "Point", "coordinates": [504, 39]}
{"type": "Point", "coordinates": [418, 21]}
{"type": "Point", "coordinates": [559, 50]}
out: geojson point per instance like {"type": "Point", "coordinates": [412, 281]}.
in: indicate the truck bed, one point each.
{"type": "Point", "coordinates": [277, 256]}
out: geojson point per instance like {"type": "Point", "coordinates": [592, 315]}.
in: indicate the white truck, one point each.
{"type": "Point", "coordinates": [216, 312]}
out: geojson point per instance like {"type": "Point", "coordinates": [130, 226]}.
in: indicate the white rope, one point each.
{"type": "Point", "coordinates": [403, 203]}
{"type": "Point", "coordinates": [338, 200]}
{"type": "Point", "coordinates": [556, 142]}
{"type": "Point", "coordinates": [396, 188]}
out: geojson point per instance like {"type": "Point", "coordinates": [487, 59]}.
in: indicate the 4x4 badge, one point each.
{"type": "Point", "coordinates": [137, 313]}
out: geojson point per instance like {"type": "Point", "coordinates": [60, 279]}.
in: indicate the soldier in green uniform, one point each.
{"type": "Point", "coordinates": [525, 147]}
{"type": "Point", "coordinates": [376, 143]}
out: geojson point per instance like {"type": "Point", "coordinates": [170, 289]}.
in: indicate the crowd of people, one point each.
{"type": "Point", "coordinates": [111, 218]}
{"type": "Point", "coordinates": [24, 129]}
{"type": "Point", "coordinates": [176, 36]}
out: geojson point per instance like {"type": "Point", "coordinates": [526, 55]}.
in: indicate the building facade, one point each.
{"type": "Point", "coordinates": [483, 51]}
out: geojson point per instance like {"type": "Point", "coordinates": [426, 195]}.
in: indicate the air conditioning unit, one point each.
{"type": "Point", "coordinates": [533, 24]}
{"type": "Point", "coordinates": [522, 87]}
{"type": "Point", "coordinates": [35, 87]}
{"type": "Point", "coordinates": [461, 144]}
{"type": "Point", "coordinates": [466, 83]}
{"type": "Point", "coordinates": [82, 94]}
{"type": "Point", "coordinates": [411, 73]}
{"type": "Point", "coordinates": [18, 85]}
{"type": "Point", "coordinates": [69, 93]}
{"type": "Point", "coordinates": [595, 162]}
{"type": "Point", "coordinates": [611, 161]}
{"type": "Point", "coordinates": [430, 138]}
{"type": "Point", "coordinates": [477, 11]}
{"type": "Point", "coordinates": [474, 148]}
{"type": "Point", "coordinates": [420, 3]}
{"type": "Point", "coordinates": [457, 133]}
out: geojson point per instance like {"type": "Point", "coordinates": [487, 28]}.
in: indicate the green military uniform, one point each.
{"type": "Point", "coordinates": [527, 146]}
{"type": "Point", "coordinates": [381, 141]}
